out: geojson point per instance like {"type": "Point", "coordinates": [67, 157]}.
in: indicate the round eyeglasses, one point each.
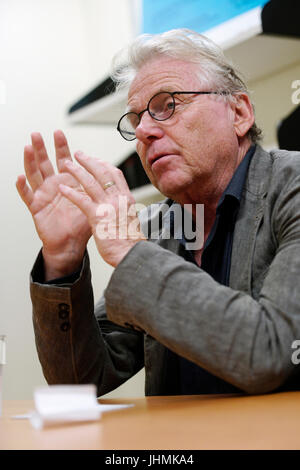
{"type": "Point", "coordinates": [160, 107]}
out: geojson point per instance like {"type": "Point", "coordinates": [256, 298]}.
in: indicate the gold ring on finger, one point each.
{"type": "Point", "coordinates": [108, 184]}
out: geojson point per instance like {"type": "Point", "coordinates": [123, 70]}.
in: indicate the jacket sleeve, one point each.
{"type": "Point", "coordinates": [245, 341]}
{"type": "Point", "coordinates": [76, 343]}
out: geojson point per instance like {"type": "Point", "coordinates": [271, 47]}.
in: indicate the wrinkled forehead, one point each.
{"type": "Point", "coordinates": [162, 74]}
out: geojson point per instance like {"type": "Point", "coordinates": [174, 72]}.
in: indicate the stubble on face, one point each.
{"type": "Point", "coordinates": [199, 136]}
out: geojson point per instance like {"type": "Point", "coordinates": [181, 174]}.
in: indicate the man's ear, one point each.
{"type": "Point", "coordinates": [243, 114]}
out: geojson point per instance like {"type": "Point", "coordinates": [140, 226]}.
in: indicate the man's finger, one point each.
{"type": "Point", "coordinates": [41, 156]}
{"type": "Point", "coordinates": [33, 174]}
{"type": "Point", "coordinates": [86, 180]}
{"type": "Point", "coordinates": [102, 172]}
{"type": "Point", "coordinates": [61, 149]}
{"type": "Point", "coordinates": [79, 198]}
{"type": "Point", "coordinates": [24, 191]}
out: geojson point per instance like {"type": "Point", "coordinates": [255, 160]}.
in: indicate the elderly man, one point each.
{"type": "Point", "coordinates": [216, 319]}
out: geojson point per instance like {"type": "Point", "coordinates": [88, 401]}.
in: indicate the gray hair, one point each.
{"type": "Point", "coordinates": [182, 44]}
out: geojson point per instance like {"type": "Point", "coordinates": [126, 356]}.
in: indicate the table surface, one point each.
{"type": "Point", "coordinates": [177, 422]}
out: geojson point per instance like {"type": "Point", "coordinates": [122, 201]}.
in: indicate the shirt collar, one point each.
{"type": "Point", "coordinates": [232, 196]}
{"type": "Point", "coordinates": [236, 184]}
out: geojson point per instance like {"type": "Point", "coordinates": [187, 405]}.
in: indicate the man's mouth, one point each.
{"type": "Point", "coordinates": [156, 157]}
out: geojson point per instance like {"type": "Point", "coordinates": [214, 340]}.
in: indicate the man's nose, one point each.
{"type": "Point", "coordinates": [148, 129]}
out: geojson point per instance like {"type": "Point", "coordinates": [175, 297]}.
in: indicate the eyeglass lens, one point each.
{"type": "Point", "coordinates": [128, 124]}
{"type": "Point", "coordinates": [160, 107]}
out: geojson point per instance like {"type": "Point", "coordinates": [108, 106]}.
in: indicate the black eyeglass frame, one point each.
{"type": "Point", "coordinates": [171, 93]}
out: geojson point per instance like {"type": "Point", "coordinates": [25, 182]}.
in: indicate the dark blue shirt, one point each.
{"type": "Point", "coordinates": [216, 261]}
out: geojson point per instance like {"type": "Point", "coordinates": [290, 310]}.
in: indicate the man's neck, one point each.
{"type": "Point", "coordinates": [210, 200]}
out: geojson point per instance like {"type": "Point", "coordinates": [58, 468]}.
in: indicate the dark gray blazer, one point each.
{"type": "Point", "coordinates": [156, 302]}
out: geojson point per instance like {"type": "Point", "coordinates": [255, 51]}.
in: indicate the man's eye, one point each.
{"type": "Point", "coordinates": [169, 105]}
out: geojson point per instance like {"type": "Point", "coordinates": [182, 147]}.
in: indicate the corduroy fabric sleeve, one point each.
{"type": "Point", "coordinates": [76, 343]}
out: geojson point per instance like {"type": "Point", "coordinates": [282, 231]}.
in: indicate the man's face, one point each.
{"type": "Point", "coordinates": [196, 149]}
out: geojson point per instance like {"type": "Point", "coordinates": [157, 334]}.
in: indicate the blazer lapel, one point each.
{"type": "Point", "coordinates": [249, 219]}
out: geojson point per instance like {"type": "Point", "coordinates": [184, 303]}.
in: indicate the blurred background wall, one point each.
{"type": "Point", "coordinates": [51, 53]}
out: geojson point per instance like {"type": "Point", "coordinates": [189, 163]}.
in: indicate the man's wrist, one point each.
{"type": "Point", "coordinates": [122, 253]}
{"type": "Point", "coordinates": [60, 265]}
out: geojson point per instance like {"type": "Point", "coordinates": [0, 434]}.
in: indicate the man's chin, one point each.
{"type": "Point", "coordinates": [169, 188]}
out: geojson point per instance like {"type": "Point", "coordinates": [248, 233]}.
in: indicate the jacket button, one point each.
{"type": "Point", "coordinates": [64, 307]}
{"type": "Point", "coordinates": [63, 314]}
{"type": "Point", "coordinates": [65, 326]}
{"type": "Point", "coordinates": [63, 311]}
